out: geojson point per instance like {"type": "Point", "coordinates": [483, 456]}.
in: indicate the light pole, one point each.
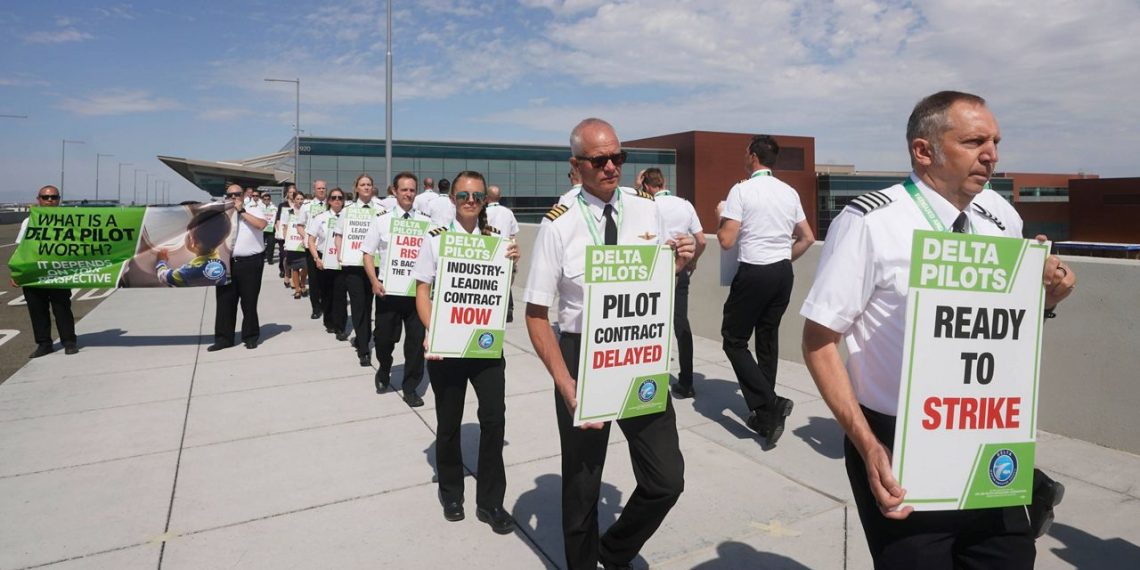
{"type": "Point", "coordinates": [146, 190]}
{"type": "Point", "coordinates": [98, 156]}
{"type": "Point", "coordinates": [388, 104]}
{"type": "Point", "coordinates": [135, 188]}
{"type": "Point", "coordinates": [119, 196]}
{"type": "Point", "coordinates": [63, 160]}
{"type": "Point", "coordinates": [296, 127]}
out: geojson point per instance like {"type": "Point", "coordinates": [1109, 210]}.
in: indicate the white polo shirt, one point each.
{"type": "Point", "coordinates": [379, 235]}
{"type": "Point", "coordinates": [768, 211]}
{"type": "Point", "coordinates": [501, 217]}
{"type": "Point", "coordinates": [677, 215]}
{"type": "Point", "coordinates": [862, 282]}
{"type": "Point", "coordinates": [559, 262]}
{"type": "Point", "coordinates": [249, 240]}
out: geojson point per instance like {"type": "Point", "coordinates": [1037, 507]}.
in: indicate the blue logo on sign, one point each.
{"type": "Point", "coordinates": [1003, 467]}
{"type": "Point", "coordinates": [486, 340]}
{"type": "Point", "coordinates": [647, 390]}
{"type": "Point", "coordinates": [214, 270]}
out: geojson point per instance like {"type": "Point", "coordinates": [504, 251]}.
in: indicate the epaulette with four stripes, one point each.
{"type": "Point", "coordinates": [644, 194]}
{"type": "Point", "coordinates": [438, 231]}
{"type": "Point", "coordinates": [556, 211]}
{"type": "Point", "coordinates": [870, 202]}
{"type": "Point", "coordinates": [492, 230]}
{"type": "Point", "coordinates": [986, 214]}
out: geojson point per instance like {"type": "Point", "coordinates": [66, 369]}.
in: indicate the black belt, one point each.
{"type": "Point", "coordinates": [241, 258]}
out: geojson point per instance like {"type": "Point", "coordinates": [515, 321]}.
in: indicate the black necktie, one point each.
{"type": "Point", "coordinates": [959, 226]}
{"type": "Point", "coordinates": [611, 225]}
{"type": "Point", "coordinates": [407, 215]}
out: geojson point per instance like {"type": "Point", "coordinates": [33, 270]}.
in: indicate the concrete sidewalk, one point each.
{"type": "Point", "coordinates": [144, 450]}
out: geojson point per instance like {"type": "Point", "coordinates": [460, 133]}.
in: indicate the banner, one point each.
{"type": "Point", "coordinates": [153, 246]}
{"type": "Point", "coordinates": [404, 239]}
{"type": "Point", "coordinates": [626, 333]}
{"type": "Point", "coordinates": [966, 427]}
{"type": "Point", "coordinates": [469, 312]}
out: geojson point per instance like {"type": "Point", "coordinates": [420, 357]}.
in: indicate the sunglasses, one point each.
{"type": "Point", "coordinates": [233, 194]}
{"type": "Point", "coordinates": [336, 198]}
{"type": "Point", "coordinates": [600, 161]}
{"type": "Point", "coordinates": [49, 197]}
{"type": "Point", "coordinates": [463, 196]}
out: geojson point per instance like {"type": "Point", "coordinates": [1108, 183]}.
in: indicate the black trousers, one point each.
{"type": "Point", "coordinates": [756, 303]}
{"type": "Point", "coordinates": [280, 254]}
{"type": "Point", "coordinates": [393, 314]}
{"type": "Point", "coordinates": [244, 287]}
{"type": "Point", "coordinates": [270, 245]}
{"type": "Point", "coordinates": [314, 283]}
{"type": "Point", "coordinates": [334, 304]}
{"type": "Point", "coordinates": [360, 302]}
{"type": "Point", "coordinates": [42, 303]}
{"type": "Point", "coordinates": [981, 538]}
{"type": "Point", "coordinates": [657, 465]}
{"type": "Point", "coordinates": [681, 328]}
{"type": "Point", "coordinates": [449, 379]}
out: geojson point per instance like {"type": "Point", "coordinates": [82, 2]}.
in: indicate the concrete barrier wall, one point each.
{"type": "Point", "coordinates": [1090, 369]}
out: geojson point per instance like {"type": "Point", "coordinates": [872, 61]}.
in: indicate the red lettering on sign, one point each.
{"type": "Point", "coordinates": [470, 315]}
{"type": "Point", "coordinates": [971, 413]}
{"type": "Point", "coordinates": [615, 357]}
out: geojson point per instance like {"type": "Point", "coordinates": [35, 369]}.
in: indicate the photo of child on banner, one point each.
{"type": "Point", "coordinates": [182, 246]}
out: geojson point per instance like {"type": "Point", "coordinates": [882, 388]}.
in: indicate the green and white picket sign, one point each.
{"type": "Point", "coordinates": [404, 239]}
{"type": "Point", "coordinates": [966, 427]}
{"type": "Point", "coordinates": [329, 257]}
{"type": "Point", "coordinates": [357, 220]}
{"type": "Point", "coordinates": [472, 283]}
{"type": "Point", "coordinates": [294, 237]}
{"type": "Point", "coordinates": [626, 332]}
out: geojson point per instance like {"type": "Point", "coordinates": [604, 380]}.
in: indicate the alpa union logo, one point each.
{"type": "Point", "coordinates": [1003, 468]}
{"type": "Point", "coordinates": [647, 390]}
{"type": "Point", "coordinates": [486, 340]}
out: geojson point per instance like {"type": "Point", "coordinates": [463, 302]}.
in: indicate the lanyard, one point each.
{"type": "Point", "coordinates": [761, 172]}
{"type": "Point", "coordinates": [924, 206]}
{"type": "Point", "coordinates": [663, 193]}
{"type": "Point", "coordinates": [592, 225]}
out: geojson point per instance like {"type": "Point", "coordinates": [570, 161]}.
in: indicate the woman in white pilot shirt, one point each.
{"type": "Point", "coordinates": [449, 377]}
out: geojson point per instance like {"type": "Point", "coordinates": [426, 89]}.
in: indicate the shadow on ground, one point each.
{"type": "Point", "coordinates": [734, 555]}
{"type": "Point", "coordinates": [823, 435]}
{"type": "Point", "coordinates": [1085, 551]}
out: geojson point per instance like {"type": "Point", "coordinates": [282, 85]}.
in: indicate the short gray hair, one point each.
{"type": "Point", "coordinates": [929, 118]}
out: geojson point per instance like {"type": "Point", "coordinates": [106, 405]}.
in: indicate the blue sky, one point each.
{"type": "Point", "coordinates": [142, 79]}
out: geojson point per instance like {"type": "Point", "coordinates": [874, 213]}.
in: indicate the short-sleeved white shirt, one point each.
{"type": "Point", "coordinates": [441, 211]}
{"type": "Point", "coordinates": [379, 233]}
{"type": "Point", "coordinates": [862, 282]}
{"type": "Point", "coordinates": [249, 240]}
{"type": "Point", "coordinates": [768, 211]}
{"type": "Point", "coordinates": [310, 209]}
{"type": "Point", "coordinates": [559, 262]}
{"type": "Point", "coordinates": [677, 215]}
{"type": "Point", "coordinates": [390, 202]}
{"type": "Point", "coordinates": [503, 218]}
{"type": "Point", "coordinates": [423, 199]}
{"type": "Point", "coordinates": [319, 228]}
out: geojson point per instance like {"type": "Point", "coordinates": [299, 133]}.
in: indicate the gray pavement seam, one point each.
{"type": "Point", "coordinates": [82, 556]}
{"type": "Point", "coordinates": [88, 464]}
{"type": "Point", "coordinates": [367, 375]}
{"type": "Point", "coordinates": [182, 438]}
{"type": "Point", "coordinates": [88, 410]}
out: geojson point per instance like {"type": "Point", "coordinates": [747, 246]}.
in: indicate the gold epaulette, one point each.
{"type": "Point", "coordinates": [644, 194]}
{"type": "Point", "coordinates": [491, 230]}
{"type": "Point", "coordinates": [556, 211]}
{"type": "Point", "coordinates": [438, 231]}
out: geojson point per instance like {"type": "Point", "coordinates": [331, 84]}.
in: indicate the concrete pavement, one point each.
{"type": "Point", "coordinates": [146, 451]}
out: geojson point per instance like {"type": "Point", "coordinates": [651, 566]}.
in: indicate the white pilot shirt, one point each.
{"type": "Point", "coordinates": [559, 262]}
{"type": "Point", "coordinates": [768, 211]}
{"type": "Point", "coordinates": [310, 209]}
{"type": "Point", "coordinates": [320, 228]}
{"type": "Point", "coordinates": [441, 211]}
{"type": "Point", "coordinates": [379, 234]}
{"type": "Point", "coordinates": [861, 285]}
{"type": "Point", "coordinates": [389, 202]}
{"type": "Point", "coordinates": [249, 240]}
{"type": "Point", "coordinates": [677, 214]}
{"type": "Point", "coordinates": [420, 204]}
{"type": "Point", "coordinates": [501, 217]}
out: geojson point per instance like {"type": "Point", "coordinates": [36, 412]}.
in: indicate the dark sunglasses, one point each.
{"type": "Point", "coordinates": [600, 161]}
{"type": "Point", "coordinates": [49, 197]}
{"type": "Point", "coordinates": [463, 196]}
{"type": "Point", "coordinates": [336, 198]}
{"type": "Point", "coordinates": [233, 194]}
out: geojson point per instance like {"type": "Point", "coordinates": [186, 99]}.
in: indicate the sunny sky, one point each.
{"type": "Point", "coordinates": [142, 79]}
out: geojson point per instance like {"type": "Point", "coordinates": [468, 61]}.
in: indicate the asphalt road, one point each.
{"type": "Point", "coordinates": [16, 341]}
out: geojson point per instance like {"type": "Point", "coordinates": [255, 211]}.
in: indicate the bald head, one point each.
{"type": "Point", "coordinates": [589, 129]}
{"type": "Point", "coordinates": [493, 194]}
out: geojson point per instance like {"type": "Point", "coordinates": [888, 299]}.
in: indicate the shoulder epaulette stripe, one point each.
{"type": "Point", "coordinates": [555, 212]}
{"type": "Point", "coordinates": [870, 201]}
{"type": "Point", "coordinates": [492, 229]}
{"type": "Point", "coordinates": [984, 212]}
{"type": "Point", "coordinates": [438, 231]}
{"type": "Point", "coordinates": [644, 194]}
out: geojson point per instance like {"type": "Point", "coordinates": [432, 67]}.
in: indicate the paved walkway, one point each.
{"type": "Point", "coordinates": [146, 451]}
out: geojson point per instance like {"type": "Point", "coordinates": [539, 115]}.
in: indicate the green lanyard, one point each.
{"type": "Point", "coordinates": [590, 223]}
{"type": "Point", "coordinates": [663, 193]}
{"type": "Point", "coordinates": [924, 206]}
{"type": "Point", "coordinates": [761, 172]}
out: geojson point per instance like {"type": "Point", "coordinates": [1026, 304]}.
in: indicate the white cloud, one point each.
{"type": "Point", "coordinates": [22, 81]}
{"type": "Point", "coordinates": [224, 114]}
{"type": "Point", "coordinates": [57, 36]}
{"type": "Point", "coordinates": [117, 102]}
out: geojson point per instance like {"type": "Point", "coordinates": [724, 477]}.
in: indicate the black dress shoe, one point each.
{"type": "Point", "coordinates": [453, 511]}
{"type": "Point", "coordinates": [316, 315]}
{"type": "Point", "coordinates": [413, 400]}
{"type": "Point", "coordinates": [342, 336]}
{"type": "Point", "coordinates": [1047, 494]}
{"type": "Point", "coordinates": [773, 420]}
{"type": "Point", "coordinates": [383, 378]}
{"type": "Point", "coordinates": [682, 392]}
{"type": "Point", "coordinates": [217, 346]}
{"type": "Point", "coordinates": [330, 330]}
{"type": "Point", "coordinates": [281, 274]}
{"type": "Point", "coordinates": [70, 349]}
{"type": "Point", "coordinates": [366, 359]}
{"type": "Point", "coordinates": [41, 350]}
{"type": "Point", "coordinates": [251, 344]}
{"type": "Point", "coordinates": [500, 521]}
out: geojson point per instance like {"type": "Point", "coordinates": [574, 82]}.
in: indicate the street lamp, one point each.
{"type": "Point", "coordinates": [296, 127]}
{"type": "Point", "coordinates": [98, 156]}
{"type": "Point", "coordinates": [135, 188]}
{"type": "Point", "coordinates": [62, 160]}
{"type": "Point", "coordinates": [146, 190]}
{"type": "Point", "coordinates": [119, 196]}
